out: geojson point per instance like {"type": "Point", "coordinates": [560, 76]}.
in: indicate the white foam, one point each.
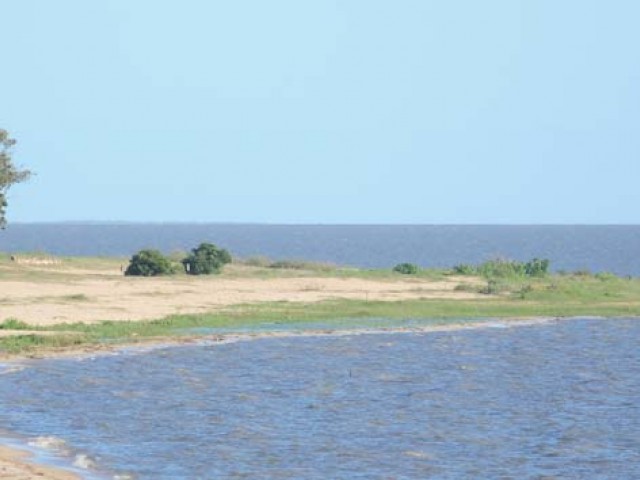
{"type": "Point", "coordinates": [84, 461]}
{"type": "Point", "coordinates": [49, 443]}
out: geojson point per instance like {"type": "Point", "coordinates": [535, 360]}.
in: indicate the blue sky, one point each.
{"type": "Point", "coordinates": [324, 111]}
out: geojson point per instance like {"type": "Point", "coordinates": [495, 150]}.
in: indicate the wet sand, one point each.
{"type": "Point", "coordinates": [15, 465]}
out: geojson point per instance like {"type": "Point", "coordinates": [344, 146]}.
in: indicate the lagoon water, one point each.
{"type": "Point", "coordinates": [556, 400]}
{"type": "Point", "coordinates": [614, 249]}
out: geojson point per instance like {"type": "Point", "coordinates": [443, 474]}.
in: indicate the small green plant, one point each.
{"type": "Point", "coordinates": [206, 259]}
{"type": "Point", "coordinates": [149, 263]}
{"type": "Point", "coordinates": [605, 276]}
{"type": "Point", "coordinates": [536, 267]}
{"type": "Point", "coordinates": [465, 269]}
{"type": "Point", "coordinates": [503, 268]}
{"type": "Point", "coordinates": [583, 272]}
{"type": "Point", "coordinates": [406, 268]}
{"type": "Point", "coordinates": [13, 324]}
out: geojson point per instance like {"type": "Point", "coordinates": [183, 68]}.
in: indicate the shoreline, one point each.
{"type": "Point", "coordinates": [19, 464]}
{"type": "Point", "coordinates": [145, 345]}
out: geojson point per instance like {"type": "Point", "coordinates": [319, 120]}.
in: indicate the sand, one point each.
{"type": "Point", "coordinates": [14, 465]}
{"type": "Point", "coordinates": [52, 294]}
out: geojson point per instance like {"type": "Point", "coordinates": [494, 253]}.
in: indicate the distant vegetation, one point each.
{"type": "Point", "coordinates": [406, 268]}
{"type": "Point", "coordinates": [301, 265]}
{"type": "Point", "coordinates": [206, 259]}
{"type": "Point", "coordinates": [502, 268]}
{"type": "Point", "coordinates": [149, 263]}
{"type": "Point", "coordinates": [203, 260]}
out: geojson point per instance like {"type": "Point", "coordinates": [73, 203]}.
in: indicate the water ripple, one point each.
{"type": "Point", "coordinates": [543, 401]}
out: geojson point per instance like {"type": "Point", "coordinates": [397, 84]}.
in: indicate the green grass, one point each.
{"type": "Point", "coordinates": [14, 324]}
{"type": "Point", "coordinates": [20, 344]}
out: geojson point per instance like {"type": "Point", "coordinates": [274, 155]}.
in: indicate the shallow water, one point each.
{"type": "Point", "coordinates": [557, 400]}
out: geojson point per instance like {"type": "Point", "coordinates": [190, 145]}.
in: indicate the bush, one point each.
{"type": "Point", "coordinates": [406, 268]}
{"type": "Point", "coordinates": [536, 267]}
{"type": "Point", "coordinates": [606, 276]}
{"type": "Point", "coordinates": [206, 259]}
{"type": "Point", "coordinates": [464, 269]}
{"type": "Point", "coordinates": [503, 268]}
{"type": "Point", "coordinates": [149, 263]}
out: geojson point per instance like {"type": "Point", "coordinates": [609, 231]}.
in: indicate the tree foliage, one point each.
{"type": "Point", "coordinates": [9, 174]}
{"type": "Point", "coordinates": [149, 263]}
{"type": "Point", "coordinates": [406, 268]}
{"type": "Point", "coordinates": [206, 259]}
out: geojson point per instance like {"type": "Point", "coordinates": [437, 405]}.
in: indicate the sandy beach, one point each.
{"type": "Point", "coordinates": [58, 293]}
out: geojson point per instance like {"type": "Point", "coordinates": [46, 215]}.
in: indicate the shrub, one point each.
{"type": "Point", "coordinates": [206, 259]}
{"type": "Point", "coordinates": [536, 267]}
{"type": "Point", "coordinates": [583, 272]}
{"type": "Point", "coordinates": [495, 287]}
{"type": "Point", "coordinates": [605, 276]}
{"type": "Point", "coordinates": [464, 269]}
{"type": "Point", "coordinates": [500, 267]}
{"type": "Point", "coordinates": [406, 268]}
{"type": "Point", "coordinates": [149, 263]}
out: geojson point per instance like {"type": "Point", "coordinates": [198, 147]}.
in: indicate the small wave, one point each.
{"type": "Point", "coordinates": [8, 369]}
{"type": "Point", "coordinates": [49, 443]}
{"type": "Point", "coordinates": [84, 462]}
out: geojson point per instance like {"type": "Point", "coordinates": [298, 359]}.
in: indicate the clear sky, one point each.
{"type": "Point", "coordinates": [324, 111]}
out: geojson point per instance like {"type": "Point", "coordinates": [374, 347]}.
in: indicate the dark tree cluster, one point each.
{"type": "Point", "coordinates": [206, 259]}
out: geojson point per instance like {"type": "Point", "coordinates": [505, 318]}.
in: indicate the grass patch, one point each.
{"type": "Point", "coordinates": [14, 324]}
{"type": "Point", "coordinates": [303, 265]}
{"type": "Point", "coordinates": [34, 342]}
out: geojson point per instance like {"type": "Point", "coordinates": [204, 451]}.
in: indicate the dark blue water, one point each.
{"type": "Point", "coordinates": [597, 248]}
{"type": "Point", "coordinates": [557, 400]}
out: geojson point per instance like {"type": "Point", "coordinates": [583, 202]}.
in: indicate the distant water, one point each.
{"type": "Point", "coordinates": [597, 248]}
{"type": "Point", "coordinates": [546, 401]}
